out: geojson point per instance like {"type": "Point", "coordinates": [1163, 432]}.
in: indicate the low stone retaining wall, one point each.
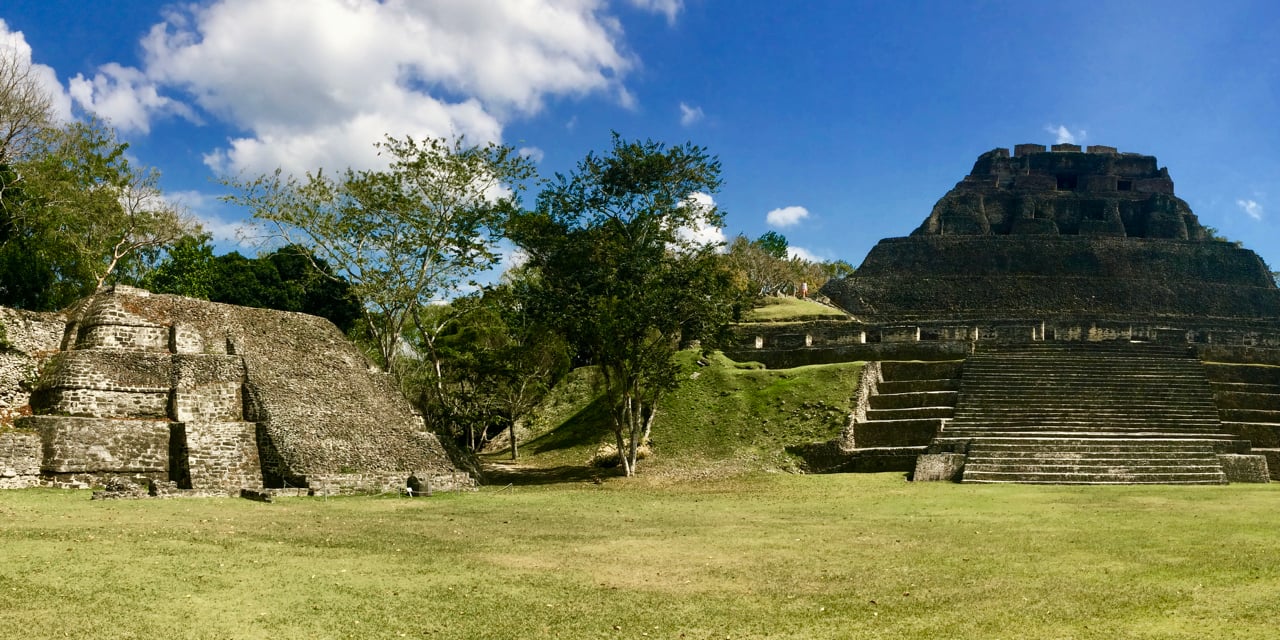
{"type": "Point", "coordinates": [19, 459]}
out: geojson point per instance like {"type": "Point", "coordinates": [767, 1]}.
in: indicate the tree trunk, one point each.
{"type": "Point", "coordinates": [622, 451]}
{"type": "Point", "coordinates": [511, 429]}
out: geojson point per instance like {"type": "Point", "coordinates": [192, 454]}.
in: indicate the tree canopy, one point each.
{"type": "Point", "coordinates": [287, 279]}
{"type": "Point", "coordinates": [612, 272]}
{"type": "Point", "coordinates": [75, 213]}
{"type": "Point", "coordinates": [405, 236]}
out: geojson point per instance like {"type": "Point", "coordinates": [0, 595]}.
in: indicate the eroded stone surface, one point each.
{"type": "Point", "coordinates": [207, 397]}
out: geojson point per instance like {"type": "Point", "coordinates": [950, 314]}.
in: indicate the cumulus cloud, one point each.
{"type": "Point", "coordinates": [317, 88]}
{"type": "Point", "coordinates": [533, 153]}
{"type": "Point", "coordinates": [689, 115]}
{"type": "Point", "coordinates": [794, 252]}
{"type": "Point", "coordinates": [786, 216]}
{"type": "Point", "coordinates": [124, 96]}
{"type": "Point", "coordinates": [669, 8]}
{"type": "Point", "coordinates": [704, 231]}
{"type": "Point", "coordinates": [1063, 135]}
{"type": "Point", "coordinates": [1250, 208]}
{"type": "Point", "coordinates": [16, 43]}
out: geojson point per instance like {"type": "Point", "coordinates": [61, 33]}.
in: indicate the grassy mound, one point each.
{"type": "Point", "coordinates": [788, 309]}
{"type": "Point", "coordinates": [723, 415]}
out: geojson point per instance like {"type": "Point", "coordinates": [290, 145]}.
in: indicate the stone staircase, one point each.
{"type": "Point", "coordinates": [1087, 413]}
{"type": "Point", "coordinates": [909, 405]}
{"type": "Point", "coordinates": [1248, 399]}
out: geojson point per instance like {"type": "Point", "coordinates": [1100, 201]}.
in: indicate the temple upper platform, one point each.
{"type": "Point", "coordinates": [1059, 233]}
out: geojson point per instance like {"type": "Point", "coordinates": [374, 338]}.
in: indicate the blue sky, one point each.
{"type": "Point", "coordinates": [847, 120]}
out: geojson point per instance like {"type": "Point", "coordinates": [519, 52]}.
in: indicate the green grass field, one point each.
{"type": "Point", "coordinates": [757, 556]}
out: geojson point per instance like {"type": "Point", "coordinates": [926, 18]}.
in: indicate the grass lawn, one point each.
{"type": "Point", "coordinates": [758, 556]}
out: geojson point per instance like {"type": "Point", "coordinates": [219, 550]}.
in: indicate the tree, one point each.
{"type": "Point", "coordinates": [488, 368]}
{"type": "Point", "coordinates": [764, 272]}
{"type": "Point", "coordinates": [25, 107]}
{"type": "Point", "coordinates": [403, 237]}
{"type": "Point", "coordinates": [285, 279]}
{"type": "Point", "coordinates": [773, 243]}
{"type": "Point", "coordinates": [78, 214]}
{"type": "Point", "coordinates": [188, 269]}
{"type": "Point", "coordinates": [763, 263]}
{"type": "Point", "coordinates": [617, 279]}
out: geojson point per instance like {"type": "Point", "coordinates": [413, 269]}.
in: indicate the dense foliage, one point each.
{"type": "Point", "coordinates": [614, 274]}
{"type": "Point", "coordinates": [288, 279]}
{"type": "Point", "coordinates": [404, 237]}
{"type": "Point", "coordinates": [75, 213]}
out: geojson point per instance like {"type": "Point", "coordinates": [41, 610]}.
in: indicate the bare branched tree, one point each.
{"type": "Point", "coordinates": [25, 106]}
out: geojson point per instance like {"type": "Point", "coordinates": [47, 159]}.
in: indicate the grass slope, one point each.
{"type": "Point", "coordinates": [788, 309]}
{"type": "Point", "coordinates": [763, 556]}
{"type": "Point", "coordinates": [724, 415]}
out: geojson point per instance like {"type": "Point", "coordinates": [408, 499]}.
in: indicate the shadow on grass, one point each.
{"type": "Point", "coordinates": [583, 429]}
{"type": "Point", "coordinates": [500, 475]}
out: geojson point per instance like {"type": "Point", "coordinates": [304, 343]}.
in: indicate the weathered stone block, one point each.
{"type": "Point", "coordinates": [220, 454]}
{"type": "Point", "coordinates": [1244, 468]}
{"type": "Point", "coordinates": [97, 445]}
{"type": "Point", "coordinates": [19, 456]}
{"type": "Point", "coordinates": [93, 403]}
{"type": "Point", "coordinates": [935, 467]}
{"type": "Point", "coordinates": [897, 433]}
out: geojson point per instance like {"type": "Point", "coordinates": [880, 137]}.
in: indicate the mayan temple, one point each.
{"type": "Point", "coordinates": [200, 398]}
{"type": "Point", "coordinates": [1060, 316]}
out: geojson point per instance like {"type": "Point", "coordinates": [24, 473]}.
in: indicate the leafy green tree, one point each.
{"type": "Point", "coordinates": [285, 279]}
{"type": "Point", "coordinates": [616, 277]}
{"type": "Point", "coordinates": [773, 243]}
{"type": "Point", "coordinates": [763, 264]}
{"type": "Point", "coordinates": [404, 237]}
{"type": "Point", "coordinates": [188, 269]}
{"type": "Point", "coordinates": [78, 214]}
{"type": "Point", "coordinates": [487, 369]}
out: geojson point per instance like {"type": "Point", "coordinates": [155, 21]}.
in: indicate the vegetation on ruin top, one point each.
{"type": "Point", "coordinates": [777, 556]}
{"type": "Point", "coordinates": [725, 418]}
{"type": "Point", "coordinates": [789, 309]}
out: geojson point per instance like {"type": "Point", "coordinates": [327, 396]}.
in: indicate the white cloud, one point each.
{"type": "Point", "coordinates": [704, 231]}
{"type": "Point", "coordinates": [317, 88]}
{"type": "Point", "coordinates": [802, 253]}
{"type": "Point", "coordinates": [1065, 135]}
{"type": "Point", "coordinates": [786, 216]}
{"type": "Point", "coordinates": [533, 153]}
{"type": "Point", "coordinates": [125, 97]}
{"type": "Point", "coordinates": [44, 75]}
{"type": "Point", "coordinates": [689, 115]}
{"type": "Point", "coordinates": [1251, 208]}
{"type": "Point", "coordinates": [669, 8]}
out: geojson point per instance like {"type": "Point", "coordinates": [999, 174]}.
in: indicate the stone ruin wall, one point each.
{"type": "Point", "coordinates": [1098, 192]}
{"type": "Point", "coordinates": [30, 338]}
{"type": "Point", "coordinates": [208, 397]}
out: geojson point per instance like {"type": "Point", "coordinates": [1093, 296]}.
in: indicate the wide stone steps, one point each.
{"type": "Point", "coordinates": [1086, 413]}
{"type": "Point", "coordinates": [910, 404]}
{"type": "Point", "coordinates": [1106, 461]}
{"type": "Point", "coordinates": [1248, 400]}
{"type": "Point", "coordinates": [915, 386]}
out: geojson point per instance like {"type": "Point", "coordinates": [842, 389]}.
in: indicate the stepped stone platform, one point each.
{"type": "Point", "coordinates": [202, 397]}
{"type": "Point", "coordinates": [1098, 332]}
{"type": "Point", "coordinates": [1087, 413]}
